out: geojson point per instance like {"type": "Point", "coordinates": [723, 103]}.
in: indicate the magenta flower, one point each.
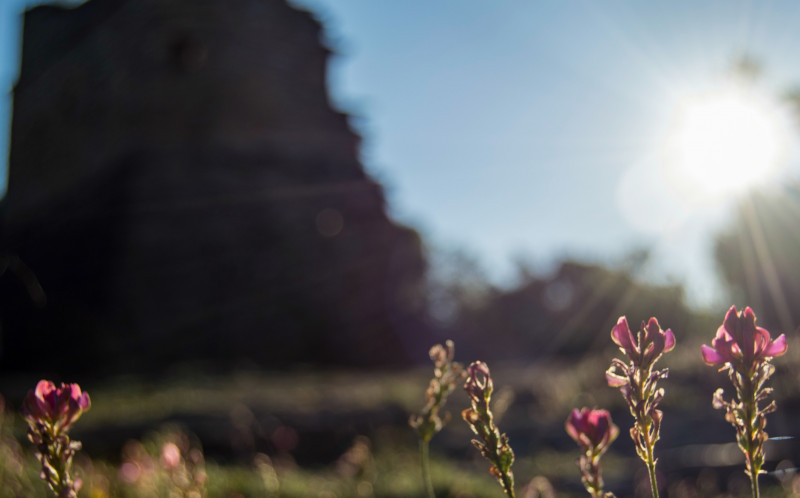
{"type": "Point", "coordinates": [637, 381]}
{"type": "Point", "coordinates": [740, 343]}
{"type": "Point", "coordinates": [745, 351]}
{"type": "Point", "coordinates": [56, 407]}
{"type": "Point", "coordinates": [648, 345]}
{"type": "Point", "coordinates": [592, 429]}
{"type": "Point", "coordinates": [479, 381]}
{"type": "Point", "coordinates": [50, 412]}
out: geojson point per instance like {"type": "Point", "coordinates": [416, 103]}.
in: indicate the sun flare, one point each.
{"type": "Point", "coordinates": [726, 142]}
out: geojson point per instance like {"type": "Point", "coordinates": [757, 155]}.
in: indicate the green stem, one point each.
{"type": "Point", "coordinates": [494, 441]}
{"type": "Point", "coordinates": [645, 430]}
{"type": "Point", "coordinates": [425, 459]}
{"type": "Point", "coordinates": [651, 468]}
{"type": "Point", "coordinates": [508, 486]}
{"type": "Point", "coordinates": [754, 485]}
{"type": "Point", "coordinates": [595, 487]}
{"type": "Point", "coordinates": [751, 413]}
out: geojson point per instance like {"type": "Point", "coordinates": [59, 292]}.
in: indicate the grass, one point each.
{"type": "Point", "coordinates": [332, 412]}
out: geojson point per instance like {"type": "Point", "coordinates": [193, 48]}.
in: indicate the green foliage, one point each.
{"type": "Point", "coordinates": [560, 314]}
{"type": "Point", "coordinates": [535, 422]}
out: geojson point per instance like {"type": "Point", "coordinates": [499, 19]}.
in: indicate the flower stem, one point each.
{"type": "Point", "coordinates": [425, 459]}
{"type": "Point", "coordinates": [751, 414]}
{"type": "Point", "coordinates": [508, 486]}
{"type": "Point", "coordinates": [591, 473]}
{"type": "Point", "coordinates": [754, 486]}
{"type": "Point", "coordinates": [651, 468]}
{"type": "Point", "coordinates": [650, 461]}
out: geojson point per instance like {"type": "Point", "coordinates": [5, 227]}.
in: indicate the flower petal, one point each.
{"type": "Point", "coordinates": [776, 347]}
{"type": "Point", "coordinates": [731, 320]}
{"type": "Point", "coordinates": [621, 335]}
{"type": "Point", "coordinates": [710, 356]}
{"type": "Point", "coordinates": [669, 340]}
{"type": "Point", "coordinates": [572, 424]}
{"type": "Point", "coordinates": [615, 380]}
{"type": "Point", "coordinates": [46, 397]}
{"type": "Point", "coordinates": [726, 346]}
{"type": "Point", "coordinates": [598, 426]}
{"type": "Point", "coordinates": [84, 402]}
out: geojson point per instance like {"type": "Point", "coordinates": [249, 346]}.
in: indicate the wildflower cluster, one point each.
{"type": "Point", "coordinates": [172, 466]}
{"type": "Point", "coordinates": [445, 375]}
{"type": "Point", "coordinates": [50, 412]}
{"type": "Point", "coordinates": [185, 467]}
{"type": "Point", "coordinates": [638, 381]}
{"type": "Point", "coordinates": [745, 351]}
{"type": "Point", "coordinates": [492, 444]}
{"type": "Point", "coordinates": [594, 431]}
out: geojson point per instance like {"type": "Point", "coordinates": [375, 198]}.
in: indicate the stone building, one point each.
{"type": "Point", "coordinates": [182, 188]}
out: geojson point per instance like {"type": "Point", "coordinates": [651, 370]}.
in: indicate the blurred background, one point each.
{"type": "Point", "coordinates": [251, 219]}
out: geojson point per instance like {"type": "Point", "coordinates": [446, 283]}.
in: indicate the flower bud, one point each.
{"type": "Point", "coordinates": [592, 428]}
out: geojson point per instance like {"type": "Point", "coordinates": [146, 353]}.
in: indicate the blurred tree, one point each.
{"type": "Point", "coordinates": [567, 313]}
{"type": "Point", "coordinates": [456, 283]}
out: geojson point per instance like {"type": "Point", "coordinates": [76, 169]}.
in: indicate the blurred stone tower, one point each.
{"type": "Point", "coordinates": [182, 189]}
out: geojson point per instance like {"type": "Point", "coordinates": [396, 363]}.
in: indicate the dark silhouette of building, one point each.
{"type": "Point", "coordinates": [182, 188]}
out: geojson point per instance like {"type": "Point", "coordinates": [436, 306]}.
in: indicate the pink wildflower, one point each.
{"type": "Point", "coordinates": [57, 407]}
{"type": "Point", "coordinates": [648, 345]}
{"type": "Point", "coordinates": [479, 382]}
{"type": "Point", "coordinates": [594, 431]}
{"type": "Point", "coordinates": [745, 351]}
{"type": "Point", "coordinates": [170, 456]}
{"type": "Point", "coordinates": [740, 342]}
{"type": "Point", "coordinates": [592, 428]}
{"type": "Point", "coordinates": [50, 412]}
{"type": "Point", "coordinates": [638, 383]}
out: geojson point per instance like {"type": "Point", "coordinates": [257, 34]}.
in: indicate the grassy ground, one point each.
{"type": "Point", "coordinates": [344, 434]}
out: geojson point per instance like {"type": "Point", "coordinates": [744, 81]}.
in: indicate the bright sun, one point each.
{"type": "Point", "coordinates": [726, 142]}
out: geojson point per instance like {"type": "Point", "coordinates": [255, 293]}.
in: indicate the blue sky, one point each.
{"type": "Point", "coordinates": [531, 129]}
{"type": "Point", "coordinates": [9, 42]}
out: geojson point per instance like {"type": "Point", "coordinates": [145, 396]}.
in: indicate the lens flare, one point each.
{"type": "Point", "coordinates": [726, 142]}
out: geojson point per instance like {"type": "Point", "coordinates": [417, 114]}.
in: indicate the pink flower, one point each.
{"type": "Point", "coordinates": [56, 407]}
{"type": "Point", "coordinates": [479, 382]}
{"type": "Point", "coordinates": [741, 343]}
{"type": "Point", "coordinates": [647, 346]}
{"type": "Point", "coordinates": [170, 456]}
{"type": "Point", "coordinates": [592, 428]}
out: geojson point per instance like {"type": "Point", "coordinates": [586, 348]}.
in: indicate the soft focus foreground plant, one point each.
{"type": "Point", "coordinates": [446, 373]}
{"type": "Point", "coordinates": [174, 468]}
{"type": "Point", "coordinates": [15, 479]}
{"type": "Point", "coordinates": [638, 383]}
{"type": "Point", "coordinates": [185, 467]}
{"type": "Point", "coordinates": [50, 412]}
{"type": "Point", "coordinates": [492, 444]}
{"type": "Point", "coordinates": [594, 432]}
{"type": "Point", "coordinates": [428, 422]}
{"type": "Point", "coordinates": [745, 350]}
